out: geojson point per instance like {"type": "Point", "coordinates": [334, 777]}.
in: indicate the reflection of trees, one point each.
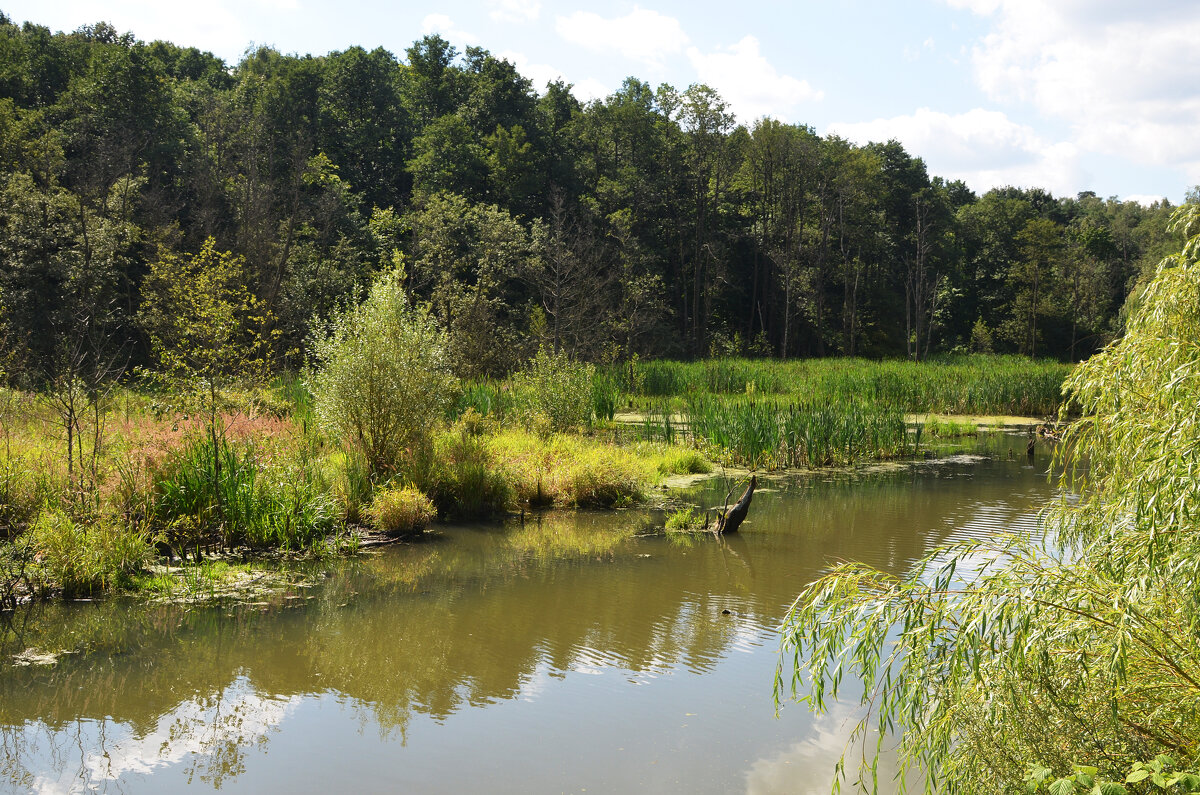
{"type": "Point", "coordinates": [209, 734]}
{"type": "Point", "coordinates": [469, 618]}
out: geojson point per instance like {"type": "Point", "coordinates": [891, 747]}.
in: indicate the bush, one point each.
{"type": "Point", "coordinates": [400, 510]}
{"type": "Point", "coordinates": [554, 392]}
{"type": "Point", "coordinates": [82, 560]}
{"type": "Point", "coordinates": [382, 381]}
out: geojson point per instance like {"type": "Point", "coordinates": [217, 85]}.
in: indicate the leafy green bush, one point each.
{"type": "Point", "coordinates": [400, 510]}
{"type": "Point", "coordinates": [554, 392]}
{"type": "Point", "coordinates": [382, 380]}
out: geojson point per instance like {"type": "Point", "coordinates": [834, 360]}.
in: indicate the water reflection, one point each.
{"type": "Point", "coordinates": [575, 650]}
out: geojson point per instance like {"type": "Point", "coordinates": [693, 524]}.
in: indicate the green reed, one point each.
{"type": "Point", "coordinates": [952, 385]}
{"type": "Point", "coordinates": [770, 433]}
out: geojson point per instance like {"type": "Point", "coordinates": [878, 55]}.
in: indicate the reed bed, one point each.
{"type": "Point", "coordinates": [772, 434]}
{"type": "Point", "coordinates": [1012, 385]}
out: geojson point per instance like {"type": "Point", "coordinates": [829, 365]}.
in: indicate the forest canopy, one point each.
{"type": "Point", "coordinates": [646, 223]}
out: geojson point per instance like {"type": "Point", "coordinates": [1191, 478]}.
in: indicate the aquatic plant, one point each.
{"type": "Point", "coordinates": [969, 384]}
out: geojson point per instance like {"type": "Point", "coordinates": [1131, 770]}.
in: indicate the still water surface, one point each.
{"type": "Point", "coordinates": [581, 653]}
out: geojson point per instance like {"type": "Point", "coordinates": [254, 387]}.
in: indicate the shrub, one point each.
{"type": "Point", "coordinates": [554, 390]}
{"type": "Point", "coordinates": [382, 380]}
{"type": "Point", "coordinates": [400, 510]}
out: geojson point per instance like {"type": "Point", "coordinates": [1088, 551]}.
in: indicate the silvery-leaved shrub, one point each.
{"type": "Point", "coordinates": [381, 377]}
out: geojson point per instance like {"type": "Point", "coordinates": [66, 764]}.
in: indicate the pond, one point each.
{"type": "Point", "coordinates": [576, 652]}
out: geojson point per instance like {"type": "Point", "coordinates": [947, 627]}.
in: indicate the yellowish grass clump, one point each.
{"type": "Point", "coordinates": [581, 471]}
{"type": "Point", "coordinates": [400, 510]}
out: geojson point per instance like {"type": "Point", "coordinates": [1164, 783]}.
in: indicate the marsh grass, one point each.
{"type": "Point", "coordinates": [461, 475]}
{"type": "Point", "coordinates": [975, 384]}
{"type": "Point", "coordinates": [944, 428]}
{"type": "Point", "coordinates": [684, 520]}
{"type": "Point", "coordinates": [82, 559]}
{"type": "Point", "coordinates": [570, 470]}
{"type": "Point", "coordinates": [249, 499]}
{"type": "Point", "coordinates": [769, 433]}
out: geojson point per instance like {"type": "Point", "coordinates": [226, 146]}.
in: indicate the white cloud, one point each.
{"type": "Point", "coordinates": [212, 26]}
{"type": "Point", "coordinates": [749, 83]}
{"type": "Point", "coordinates": [444, 26]}
{"type": "Point", "coordinates": [515, 10]}
{"type": "Point", "coordinates": [984, 148]}
{"type": "Point", "coordinates": [1125, 76]}
{"type": "Point", "coordinates": [589, 89]}
{"type": "Point", "coordinates": [541, 74]}
{"type": "Point", "coordinates": [1144, 199]}
{"type": "Point", "coordinates": [641, 35]}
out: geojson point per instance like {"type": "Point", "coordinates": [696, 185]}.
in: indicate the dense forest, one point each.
{"type": "Point", "coordinates": [648, 223]}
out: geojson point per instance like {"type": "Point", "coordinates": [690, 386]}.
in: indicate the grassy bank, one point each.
{"type": "Point", "coordinates": [150, 486]}
{"type": "Point", "coordinates": [148, 483]}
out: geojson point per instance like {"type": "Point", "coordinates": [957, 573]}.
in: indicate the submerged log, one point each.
{"type": "Point", "coordinates": [729, 521]}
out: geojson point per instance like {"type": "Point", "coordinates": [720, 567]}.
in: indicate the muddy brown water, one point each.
{"type": "Point", "coordinates": [580, 653]}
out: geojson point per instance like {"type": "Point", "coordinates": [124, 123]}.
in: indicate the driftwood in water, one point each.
{"type": "Point", "coordinates": [729, 521]}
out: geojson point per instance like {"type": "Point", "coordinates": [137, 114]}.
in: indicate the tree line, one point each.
{"type": "Point", "coordinates": [647, 223]}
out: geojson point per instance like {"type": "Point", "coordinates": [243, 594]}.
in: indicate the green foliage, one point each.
{"type": "Point", "coordinates": [203, 322]}
{"type": "Point", "coordinates": [462, 475]}
{"type": "Point", "coordinates": [571, 470]}
{"type": "Point", "coordinates": [381, 379]}
{"type": "Point", "coordinates": [400, 510]}
{"type": "Point", "coordinates": [981, 337]}
{"type": "Point", "coordinates": [237, 497]}
{"type": "Point", "coordinates": [554, 392]}
{"type": "Point", "coordinates": [808, 433]}
{"type": "Point", "coordinates": [22, 494]}
{"type": "Point", "coordinates": [684, 520]}
{"type": "Point", "coordinates": [977, 384]}
{"type": "Point", "coordinates": [990, 654]}
{"type": "Point", "coordinates": [79, 559]}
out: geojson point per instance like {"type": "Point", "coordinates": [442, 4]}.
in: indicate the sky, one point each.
{"type": "Point", "coordinates": [1067, 95]}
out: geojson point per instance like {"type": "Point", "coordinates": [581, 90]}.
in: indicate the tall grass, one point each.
{"type": "Point", "coordinates": [81, 559]}
{"type": "Point", "coordinates": [975, 384]}
{"type": "Point", "coordinates": [769, 433]}
{"type": "Point", "coordinates": [250, 503]}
